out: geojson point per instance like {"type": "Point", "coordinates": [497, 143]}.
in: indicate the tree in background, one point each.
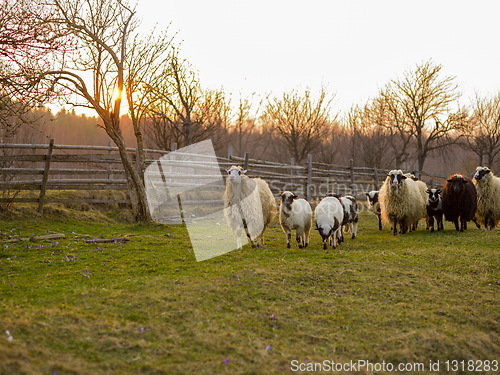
{"type": "Point", "coordinates": [181, 111]}
{"type": "Point", "coordinates": [93, 72]}
{"type": "Point", "coordinates": [300, 120]}
{"type": "Point", "coordinates": [369, 140]}
{"type": "Point", "coordinates": [27, 46]}
{"type": "Point", "coordinates": [422, 100]}
{"type": "Point", "coordinates": [482, 130]}
{"type": "Point", "coordinates": [147, 57]}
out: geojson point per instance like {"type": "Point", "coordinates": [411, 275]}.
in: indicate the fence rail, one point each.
{"type": "Point", "coordinates": [51, 167]}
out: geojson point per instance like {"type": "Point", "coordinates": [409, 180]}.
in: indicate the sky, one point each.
{"type": "Point", "coordinates": [351, 47]}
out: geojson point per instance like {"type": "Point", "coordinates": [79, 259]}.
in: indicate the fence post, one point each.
{"type": "Point", "coordinates": [230, 152]}
{"type": "Point", "coordinates": [43, 188]}
{"type": "Point", "coordinates": [376, 178]}
{"type": "Point", "coordinates": [173, 146]}
{"type": "Point", "coordinates": [351, 167]}
{"type": "Point", "coordinates": [245, 162]}
{"type": "Point", "coordinates": [309, 177]}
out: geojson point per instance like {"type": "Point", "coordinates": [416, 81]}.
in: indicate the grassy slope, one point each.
{"type": "Point", "coordinates": [146, 306]}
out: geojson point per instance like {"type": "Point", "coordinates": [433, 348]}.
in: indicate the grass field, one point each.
{"type": "Point", "coordinates": [147, 307]}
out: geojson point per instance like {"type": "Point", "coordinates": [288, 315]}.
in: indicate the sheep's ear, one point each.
{"type": "Point", "coordinates": [464, 181]}
{"type": "Point", "coordinates": [228, 169]}
{"type": "Point", "coordinates": [367, 194]}
{"type": "Point", "coordinates": [295, 196]}
{"type": "Point", "coordinates": [428, 190]}
{"type": "Point", "coordinates": [487, 170]}
{"type": "Point", "coordinates": [403, 177]}
{"type": "Point", "coordinates": [450, 180]}
{"type": "Point", "coordinates": [439, 191]}
{"type": "Point", "coordinates": [244, 171]}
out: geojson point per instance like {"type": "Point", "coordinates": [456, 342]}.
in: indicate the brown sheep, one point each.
{"type": "Point", "coordinates": [459, 200]}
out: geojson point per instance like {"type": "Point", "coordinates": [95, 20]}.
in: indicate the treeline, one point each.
{"type": "Point", "coordinates": [93, 54]}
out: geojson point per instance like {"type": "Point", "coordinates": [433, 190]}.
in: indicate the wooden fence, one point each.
{"type": "Point", "coordinates": [36, 169]}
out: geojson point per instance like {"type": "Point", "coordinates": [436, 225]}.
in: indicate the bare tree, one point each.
{"type": "Point", "coordinates": [370, 139]}
{"type": "Point", "coordinates": [146, 57]}
{"type": "Point", "coordinates": [27, 45]}
{"type": "Point", "coordinates": [423, 98]}
{"type": "Point", "coordinates": [482, 130]}
{"type": "Point", "coordinates": [100, 31]}
{"type": "Point", "coordinates": [182, 111]}
{"type": "Point", "coordinates": [300, 120]}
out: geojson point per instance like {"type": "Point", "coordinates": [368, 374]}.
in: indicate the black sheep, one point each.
{"type": "Point", "coordinates": [459, 200]}
{"type": "Point", "coordinates": [434, 206]}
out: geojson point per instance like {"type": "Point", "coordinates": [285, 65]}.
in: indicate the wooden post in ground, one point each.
{"type": "Point", "coordinates": [43, 188]}
{"type": "Point", "coordinates": [377, 182]}
{"type": "Point", "coordinates": [245, 162]}
{"type": "Point", "coordinates": [309, 177]}
{"type": "Point", "coordinates": [351, 167]}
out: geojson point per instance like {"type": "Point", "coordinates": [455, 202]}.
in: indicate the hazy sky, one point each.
{"type": "Point", "coordinates": [353, 47]}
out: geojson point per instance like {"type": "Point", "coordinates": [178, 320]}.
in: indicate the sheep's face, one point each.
{"type": "Point", "coordinates": [234, 174]}
{"type": "Point", "coordinates": [287, 199]}
{"type": "Point", "coordinates": [482, 173]}
{"type": "Point", "coordinates": [372, 197]}
{"type": "Point", "coordinates": [457, 183]}
{"type": "Point", "coordinates": [433, 194]}
{"type": "Point", "coordinates": [396, 178]}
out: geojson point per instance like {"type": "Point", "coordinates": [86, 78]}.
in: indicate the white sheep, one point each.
{"type": "Point", "coordinates": [422, 187]}
{"type": "Point", "coordinates": [249, 206]}
{"type": "Point", "coordinates": [329, 215]}
{"type": "Point", "coordinates": [401, 201]}
{"type": "Point", "coordinates": [488, 197]}
{"type": "Point", "coordinates": [295, 214]}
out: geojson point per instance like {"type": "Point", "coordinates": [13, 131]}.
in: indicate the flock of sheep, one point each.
{"type": "Point", "coordinates": [402, 201]}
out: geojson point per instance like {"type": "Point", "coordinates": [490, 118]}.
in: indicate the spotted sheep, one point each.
{"type": "Point", "coordinates": [459, 201]}
{"type": "Point", "coordinates": [295, 214]}
{"type": "Point", "coordinates": [434, 206]}
{"type": "Point", "coordinates": [350, 221]}
{"type": "Point", "coordinates": [488, 197]}
{"type": "Point", "coordinates": [249, 206]}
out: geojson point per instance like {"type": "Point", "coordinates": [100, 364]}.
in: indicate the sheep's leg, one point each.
{"type": "Point", "coordinates": [334, 240]}
{"type": "Point", "coordinates": [440, 222]}
{"type": "Point", "coordinates": [430, 225]}
{"type": "Point", "coordinates": [306, 235]}
{"type": "Point", "coordinates": [288, 237]}
{"type": "Point", "coordinates": [456, 224]}
{"type": "Point", "coordinates": [487, 222]}
{"type": "Point", "coordinates": [379, 222]}
{"type": "Point", "coordinates": [298, 238]}
{"type": "Point", "coordinates": [354, 229]}
{"type": "Point", "coordinates": [395, 227]}
{"type": "Point", "coordinates": [462, 224]}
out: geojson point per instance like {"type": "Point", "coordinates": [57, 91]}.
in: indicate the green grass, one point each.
{"type": "Point", "coordinates": [147, 307]}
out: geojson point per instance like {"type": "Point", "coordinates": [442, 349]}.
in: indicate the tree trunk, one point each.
{"type": "Point", "coordinates": [135, 184]}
